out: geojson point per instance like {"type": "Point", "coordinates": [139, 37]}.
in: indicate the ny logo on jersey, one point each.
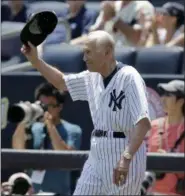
{"type": "Point", "coordinates": [116, 100]}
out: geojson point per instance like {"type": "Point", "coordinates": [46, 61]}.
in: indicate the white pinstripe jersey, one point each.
{"type": "Point", "coordinates": [119, 106]}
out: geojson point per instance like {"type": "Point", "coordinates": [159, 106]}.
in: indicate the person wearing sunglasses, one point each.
{"type": "Point", "coordinates": [53, 133]}
{"type": "Point", "coordinates": [167, 26]}
{"type": "Point", "coordinates": [167, 134]}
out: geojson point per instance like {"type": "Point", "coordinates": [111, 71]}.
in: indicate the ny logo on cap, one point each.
{"type": "Point", "coordinates": [117, 101]}
{"type": "Point", "coordinates": [34, 27]}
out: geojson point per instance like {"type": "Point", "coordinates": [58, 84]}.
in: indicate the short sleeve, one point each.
{"type": "Point", "coordinates": [74, 138]}
{"type": "Point", "coordinates": [77, 85]}
{"type": "Point", "coordinates": [137, 98]}
{"type": "Point", "coordinates": [38, 135]}
{"type": "Point", "coordinates": [88, 21]}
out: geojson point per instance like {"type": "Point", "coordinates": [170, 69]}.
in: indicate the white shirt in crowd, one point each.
{"type": "Point", "coordinates": [129, 13]}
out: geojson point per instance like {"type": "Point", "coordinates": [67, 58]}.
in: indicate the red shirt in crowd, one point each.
{"type": "Point", "coordinates": [163, 136]}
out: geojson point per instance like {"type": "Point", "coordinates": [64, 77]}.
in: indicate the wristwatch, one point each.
{"type": "Point", "coordinates": [127, 155]}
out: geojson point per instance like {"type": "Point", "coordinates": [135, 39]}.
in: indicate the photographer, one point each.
{"type": "Point", "coordinates": [54, 133]}
{"type": "Point", "coordinates": [167, 135]}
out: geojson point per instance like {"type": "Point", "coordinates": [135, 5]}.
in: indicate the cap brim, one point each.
{"type": "Point", "coordinates": [47, 22]}
{"type": "Point", "coordinates": [166, 87]}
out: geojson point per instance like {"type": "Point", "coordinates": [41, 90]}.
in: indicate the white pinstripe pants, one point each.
{"type": "Point", "coordinates": [97, 175]}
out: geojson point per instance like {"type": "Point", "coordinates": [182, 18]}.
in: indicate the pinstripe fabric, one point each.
{"type": "Point", "coordinates": [109, 113]}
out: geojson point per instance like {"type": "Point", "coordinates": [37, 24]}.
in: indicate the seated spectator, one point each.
{"type": "Point", "coordinates": [80, 19]}
{"type": "Point", "coordinates": [165, 133]}
{"type": "Point", "coordinates": [54, 133]}
{"type": "Point", "coordinates": [167, 26]}
{"type": "Point", "coordinates": [121, 19]}
{"type": "Point", "coordinates": [15, 11]}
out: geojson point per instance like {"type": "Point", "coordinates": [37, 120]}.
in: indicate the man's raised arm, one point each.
{"type": "Point", "coordinates": [52, 75]}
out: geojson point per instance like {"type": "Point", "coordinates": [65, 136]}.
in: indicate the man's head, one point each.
{"type": "Point", "coordinates": [75, 6]}
{"type": "Point", "coordinates": [17, 3]}
{"type": "Point", "coordinates": [51, 97]}
{"type": "Point", "coordinates": [98, 50]}
{"type": "Point", "coordinates": [172, 96]}
{"type": "Point", "coordinates": [172, 13]}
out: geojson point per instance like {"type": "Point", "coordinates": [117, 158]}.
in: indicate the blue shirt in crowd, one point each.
{"type": "Point", "coordinates": [56, 180]}
{"type": "Point", "coordinates": [6, 14]}
{"type": "Point", "coordinates": [79, 24]}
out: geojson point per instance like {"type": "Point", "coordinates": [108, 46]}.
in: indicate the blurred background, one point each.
{"type": "Point", "coordinates": [150, 37]}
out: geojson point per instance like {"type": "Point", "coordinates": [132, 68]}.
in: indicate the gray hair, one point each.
{"type": "Point", "coordinates": [102, 39]}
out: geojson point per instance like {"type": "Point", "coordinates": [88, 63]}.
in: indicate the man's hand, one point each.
{"type": "Point", "coordinates": [48, 120]}
{"type": "Point", "coordinates": [108, 10]}
{"type": "Point", "coordinates": [57, 142]}
{"type": "Point", "coordinates": [6, 188]}
{"type": "Point", "coordinates": [30, 52]}
{"type": "Point", "coordinates": [121, 171]}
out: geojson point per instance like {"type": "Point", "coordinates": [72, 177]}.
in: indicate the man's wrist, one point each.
{"type": "Point", "coordinates": [127, 154]}
{"type": "Point", "coordinates": [49, 126]}
{"type": "Point", "coordinates": [36, 62]}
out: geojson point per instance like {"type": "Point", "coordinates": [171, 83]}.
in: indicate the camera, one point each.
{"type": "Point", "coordinates": [26, 112]}
{"type": "Point", "coordinates": [148, 182]}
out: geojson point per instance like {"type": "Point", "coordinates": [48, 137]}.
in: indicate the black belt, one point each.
{"type": "Point", "coordinates": [101, 133]}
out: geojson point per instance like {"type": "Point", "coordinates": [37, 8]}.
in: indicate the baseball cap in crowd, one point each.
{"type": "Point", "coordinates": [175, 87]}
{"type": "Point", "coordinates": [20, 183]}
{"type": "Point", "coordinates": [38, 27]}
{"type": "Point", "coordinates": [173, 9]}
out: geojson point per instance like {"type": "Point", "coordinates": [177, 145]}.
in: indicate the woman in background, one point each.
{"type": "Point", "coordinates": [165, 133]}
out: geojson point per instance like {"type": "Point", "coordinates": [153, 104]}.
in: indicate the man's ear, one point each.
{"type": "Point", "coordinates": [108, 50]}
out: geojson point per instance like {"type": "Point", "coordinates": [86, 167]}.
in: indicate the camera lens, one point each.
{"type": "Point", "coordinates": [15, 114]}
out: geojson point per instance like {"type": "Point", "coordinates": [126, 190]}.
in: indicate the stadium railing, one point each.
{"type": "Point", "coordinates": [74, 160]}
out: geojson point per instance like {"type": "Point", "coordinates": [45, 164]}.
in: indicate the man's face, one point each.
{"type": "Point", "coordinates": [54, 108]}
{"type": "Point", "coordinates": [75, 4]}
{"type": "Point", "coordinates": [16, 3]}
{"type": "Point", "coordinates": [94, 57]}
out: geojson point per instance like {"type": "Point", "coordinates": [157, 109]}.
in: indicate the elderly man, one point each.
{"type": "Point", "coordinates": [117, 99]}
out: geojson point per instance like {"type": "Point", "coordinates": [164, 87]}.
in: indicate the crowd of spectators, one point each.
{"type": "Point", "coordinates": [132, 23]}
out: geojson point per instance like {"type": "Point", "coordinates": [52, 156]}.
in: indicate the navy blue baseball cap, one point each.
{"type": "Point", "coordinates": [39, 26]}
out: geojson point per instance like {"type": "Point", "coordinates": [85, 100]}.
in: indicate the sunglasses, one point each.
{"type": "Point", "coordinates": [52, 105]}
